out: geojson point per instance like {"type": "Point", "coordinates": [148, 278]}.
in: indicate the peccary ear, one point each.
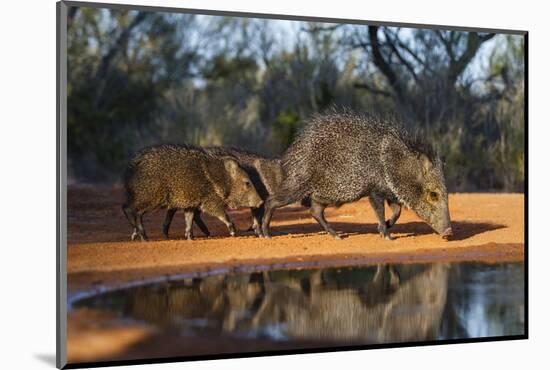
{"type": "Point", "coordinates": [427, 165]}
{"type": "Point", "coordinates": [231, 166]}
{"type": "Point", "coordinates": [221, 178]}
{"type": "Point", "coordinates": [403, 170]}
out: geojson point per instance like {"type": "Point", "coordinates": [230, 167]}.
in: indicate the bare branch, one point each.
{"type": "Point", "coordinates": [447, 43]}
{"type": "Point", "coordinates": [113, 52]}
{"type": "Point", "coordinates": [403, 61]}
{"type": "Point", "coordinates": [487, 37]}
{"type": "Point", "coordinates": [321, 28]}
{"type": "Point", "coordinates": [374, 90]}
{"type": "Point", "coordinates": [363, 45]}
{"type": "Point", "coordinates": [404, 46]}
{"type": "Point", "coordinates": [382, 64]}
{"type": "Point", "coordinates": [473, 44]}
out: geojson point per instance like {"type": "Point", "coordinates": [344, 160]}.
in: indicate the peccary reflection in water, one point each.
{"type": "Point", "coordinates": [383, 310]}
{"type": "Point", "coordinates": [368, 305]}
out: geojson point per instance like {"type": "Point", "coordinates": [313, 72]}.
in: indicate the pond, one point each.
{"type": "Point", "coordinates": [385, 303]}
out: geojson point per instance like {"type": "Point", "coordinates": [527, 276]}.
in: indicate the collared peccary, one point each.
{"type": "Point", "coordinates": [188, 178]}
{"type": "Point", "coordinates": [341, 157]}
{"type": "Point", "coordinates": [265, 174]}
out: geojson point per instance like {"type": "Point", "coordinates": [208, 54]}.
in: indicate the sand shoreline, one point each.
{"type": "Point", "coordinates": [488, 253]}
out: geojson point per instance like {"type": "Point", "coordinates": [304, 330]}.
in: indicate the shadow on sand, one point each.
{"type": "Point", "coordinates": [462, 229]}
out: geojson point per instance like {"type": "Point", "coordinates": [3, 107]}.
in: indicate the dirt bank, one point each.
{"type": "Point", "coordinates": [488, 227]}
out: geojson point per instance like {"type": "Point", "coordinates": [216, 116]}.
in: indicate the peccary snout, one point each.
{"type": "Point", "coordinates": [447, 233]}
{"type": "Point", "coordinates": [435, 212]}
{"type": "Point", "coordinates": [443, 226]}
{"type": "Point", "coordinates": [426, 191]}
{"type": "Point", "coordinates": [255, 201]}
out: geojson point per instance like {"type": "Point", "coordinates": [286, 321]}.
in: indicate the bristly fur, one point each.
{"type": "Point", "coordinates": [342, 156]}
{"type": "Point", "coordinates": [161, 149]}
{"type": "Point", "coordinates": [386, 123]}
{"type": "Point", "coordinates": [264, 172]}
{"type": "Point", "coordinates": [185, 177]}
{"type": "Point", "coordinates": [357, 135]}
{"type": "Point", "coordinates": [238, 152]}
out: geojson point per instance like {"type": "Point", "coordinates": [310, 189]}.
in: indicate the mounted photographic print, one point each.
{"type": "Point", "coordinates": [234, 184]}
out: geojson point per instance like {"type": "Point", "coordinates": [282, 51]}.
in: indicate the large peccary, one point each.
{"type": "Point", "coordinates": [341, 157]}
{"type": "Point", "coordinates": [188, 178]}
{"type": "Point", "coordinates": [265, 174]}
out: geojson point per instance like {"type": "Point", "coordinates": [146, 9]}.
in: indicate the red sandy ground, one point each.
{"type": "Point", "coordinates": [488, 227]}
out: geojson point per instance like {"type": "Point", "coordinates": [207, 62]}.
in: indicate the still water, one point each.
{"type": "Point", "coordinates": [367, 304]}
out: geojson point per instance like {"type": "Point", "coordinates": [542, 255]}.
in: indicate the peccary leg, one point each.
{"type": "Point", "coordinates": [200, 223]}
{"type": "Point", "coordinates": [386, 276]}
{"type": "Point", "coordinates": [257, 214]}
{"type": "Point", "coordinates": [314, 285]}
{"type": "Point", "coordinates": [197, 218]}
{"type": "Point", "coordinates": [396, 212]}
{"type": "Point", "coordinates": [168, 220]}
{"type": "Point", "coordinates": [223, 218]}
{"type": "Point", "coordinates": [318, 212]}
{"type": "Point", "coordinates": [379, 273]}
{"type": "Point", "coordinates": [139, 226]}
{"type": "Point", "coordinates": [395, 278]}
{"type": "Point", "coordinates": [377, 203]}
{"type": "Point", "coordinates": [220, 214]}
{"type": "Point", "coordinates": [134, 234]}
{"type": "Point", "coordinates": [189, 215]}
{"type": "Point", "coordinates": [131, 216]}
{"type": "Point", "coordinates": [269, 207]}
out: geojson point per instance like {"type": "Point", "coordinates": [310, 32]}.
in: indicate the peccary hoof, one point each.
{"type": "Point", "coordinates": [447, 234]}
{"type": "Point", "coordinates": [258, 233]}
{"type": "Point", "coordinates": [337, 237]}
{"type": "Point", "coordinates": [388, 237]}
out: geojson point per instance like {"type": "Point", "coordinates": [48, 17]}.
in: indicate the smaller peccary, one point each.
{"type": "Point", "coordinates": [188, 178]}
{"type": "Point", "coordinates": [341, 157]}
{"type": "Point", "coordinates": [265, 173]}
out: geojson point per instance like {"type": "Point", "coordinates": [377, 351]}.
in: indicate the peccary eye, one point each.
{"type": "Point", "coordinates": [247, 183]}
{"type": "Point", "coordinates": [434, 196]}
